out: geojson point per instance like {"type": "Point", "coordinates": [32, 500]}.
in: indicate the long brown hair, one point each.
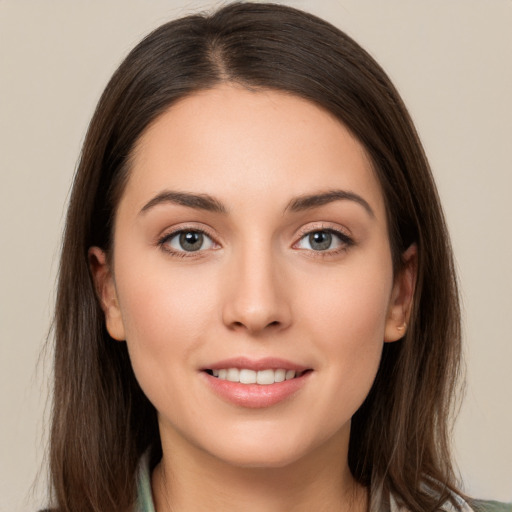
{"type": "Point", "coordinates": [102, 422]}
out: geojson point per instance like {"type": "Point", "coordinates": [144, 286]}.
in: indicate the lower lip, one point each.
{"type": "Point", "coordinates": [255, 396]}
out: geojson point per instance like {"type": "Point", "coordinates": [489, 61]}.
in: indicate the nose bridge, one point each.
{"type": "Point", "coordinates": [256, 299]}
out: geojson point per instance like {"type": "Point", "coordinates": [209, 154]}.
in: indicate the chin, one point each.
{"type": "Point", "coordinates": [262, 459]}
{"type": "Point", "coordinates": [269, 451]}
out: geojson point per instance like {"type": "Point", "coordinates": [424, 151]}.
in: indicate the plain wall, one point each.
{"type": "Point", "coordinates": [450, 59]}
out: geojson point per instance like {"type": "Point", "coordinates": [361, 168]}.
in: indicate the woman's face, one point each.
{"type": "Point", "coordinates": [251, 244]}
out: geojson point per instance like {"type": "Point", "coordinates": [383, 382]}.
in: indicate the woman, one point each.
{"type": "Point", "coordinates": [257, 305]}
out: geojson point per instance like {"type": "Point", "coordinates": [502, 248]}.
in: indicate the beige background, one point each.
{"type": "Point", "coordinates": [451, 60]}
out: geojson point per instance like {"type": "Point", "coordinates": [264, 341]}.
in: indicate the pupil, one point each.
{"type": "Point", "coordinates": [320, 240]}
{"type": "Point", "coordinates": [191, 241]}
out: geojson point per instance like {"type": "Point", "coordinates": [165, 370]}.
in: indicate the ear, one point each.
{"type": "Point", "coordinates": [400, 303]}
{"type": "Point", "coordinates": [106, 291]}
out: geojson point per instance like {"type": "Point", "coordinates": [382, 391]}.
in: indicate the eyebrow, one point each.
{"type": "Point", "coordinates": [298, 204]}
{"type": "Point", "coordinates": [307, 202]}
{"type": "Point", "coordinates": [197, 201]}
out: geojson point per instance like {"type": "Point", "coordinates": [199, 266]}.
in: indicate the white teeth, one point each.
{"type": "Point", "coordinates": [279, 375]}
{"type": "Point", "coordinates": [290, 374]}
{"type": "Point", "coordinates": [247, 376]}
{"type": "Point", "coordinates": [233, 375]}
{"type": "Point", "coordinates": [262, 377]}
{"type": "Point", "coordinates": [265, 377]}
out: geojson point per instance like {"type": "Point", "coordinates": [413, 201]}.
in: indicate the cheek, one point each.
{"type": "Point", "coordinates": [351, 304]}
{"type": "Point", "coordinates": [348, 317]}
{"type": "Point", "coordinates": [166, 317]}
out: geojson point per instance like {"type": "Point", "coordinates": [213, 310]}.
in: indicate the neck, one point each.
{"type": "Point", "coordinates": [192, 480]}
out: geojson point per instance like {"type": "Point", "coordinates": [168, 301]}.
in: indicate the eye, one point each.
{"type": "Point", "coordinates": [190, 240]}
{"type": "Point", "coordinates": [324, 240]}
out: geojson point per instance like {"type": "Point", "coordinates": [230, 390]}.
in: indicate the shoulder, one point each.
{"type": "Point", "coordinates": [490, 506]}
{"type": "Point", "coordinates": [460, 505]}
{"type": "Point", "coordinates": [144, 498]}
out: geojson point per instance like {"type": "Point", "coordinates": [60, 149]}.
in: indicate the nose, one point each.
{"type": "Point", "coordinates": [256, 296]}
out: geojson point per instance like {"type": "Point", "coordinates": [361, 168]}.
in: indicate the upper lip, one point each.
{"type": "Point", "coordinates": [266, 363]}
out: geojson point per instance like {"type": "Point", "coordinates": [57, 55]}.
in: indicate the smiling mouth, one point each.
{"type": "Point", "coordinates": [262, 377]}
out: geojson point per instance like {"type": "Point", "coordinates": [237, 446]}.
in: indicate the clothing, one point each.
{"type": "Point", "coordinates": [144, 494]}
{"type": "Point", "coordinates": [145, 497]}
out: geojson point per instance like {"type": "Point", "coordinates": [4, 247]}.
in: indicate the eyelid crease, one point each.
{"type": "Point", "coordinates": [184, 227]}
{"type": "Point", "coordinates": [324, 226]}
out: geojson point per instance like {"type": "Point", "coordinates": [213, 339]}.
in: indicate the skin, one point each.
{"type": "Point", "coordinates": [258, 289]}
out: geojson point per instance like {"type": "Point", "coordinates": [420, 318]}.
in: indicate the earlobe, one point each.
{"type": "Point", "coordinates": [401, 300]}
{"type": "Point", "coordinates": [106, 292]}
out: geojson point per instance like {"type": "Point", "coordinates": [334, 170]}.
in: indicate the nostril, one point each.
{"type": "Point", "coordinates": [241, 325]}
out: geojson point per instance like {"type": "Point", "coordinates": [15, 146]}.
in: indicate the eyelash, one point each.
{"type": "Point", "coordinates": [345, 241]}
{"type": "Point", "coordinates": [163, 242]}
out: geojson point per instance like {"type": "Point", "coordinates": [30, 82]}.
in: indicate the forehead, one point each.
{"type": "Point", "coordinates": [234, 143]}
